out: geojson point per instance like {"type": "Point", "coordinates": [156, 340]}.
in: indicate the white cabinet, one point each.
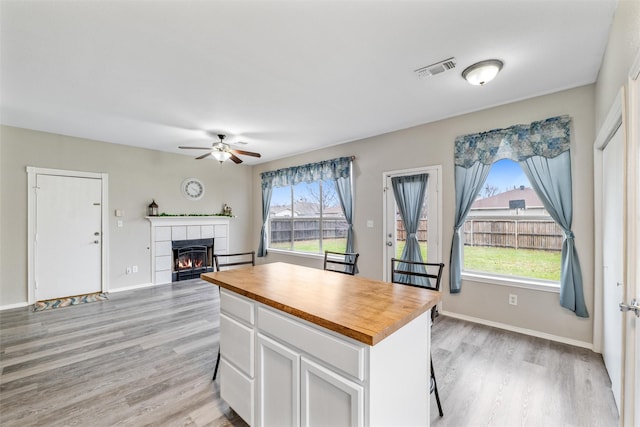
{"type": "Point", "coordinates": [280, 370]}
{"type": "Point", "coordinates": [278, 384]}
{"type": "Point", "coordinates": [329, 399]}
{"type": "Point", "coordinates": [306, 375]}
{"type": "Point", "coordinates": [237, 353]}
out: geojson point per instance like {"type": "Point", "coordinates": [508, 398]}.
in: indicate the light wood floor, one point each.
{"type": "Point", "coordinates": [146, 357]}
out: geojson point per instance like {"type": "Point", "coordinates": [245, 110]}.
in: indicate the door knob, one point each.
{"type": "Point", "coordinates": [389, 243]}
{"type": "Point", "coordinates": [96, 241]}
{"type": "Point", "coordinates": [97, 233]}
{"type": "Point", "coordinates": [631, 307]}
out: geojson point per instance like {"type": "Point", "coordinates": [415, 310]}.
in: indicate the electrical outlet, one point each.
{"type": "Point", "coordinates": [128, 270]}
{"type": "Point", "coordinates": [513, 299]}
{"type": "Point", "coordinates": [135, 268]}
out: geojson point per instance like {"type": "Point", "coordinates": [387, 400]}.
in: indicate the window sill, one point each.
{"type": "Point", "coordinates": [514, 282]}
{"type": "Point", "coordinates": [297, 254]}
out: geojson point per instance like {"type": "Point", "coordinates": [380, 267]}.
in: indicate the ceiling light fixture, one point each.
{"type": "Point", "coordinates": [482, 72]}
{"type": "Point", "coordinates": [221, 156]}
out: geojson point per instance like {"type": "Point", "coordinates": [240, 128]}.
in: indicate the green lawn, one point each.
{"type": "Point", "coordinates": [513, 262]}
{"type": "Point", "coordinates": [313, 246]}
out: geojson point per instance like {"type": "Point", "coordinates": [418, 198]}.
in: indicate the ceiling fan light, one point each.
{"type": "Point", "coordinates": [482, 72]}
{"type": "Point", "coordinates": [221, 156]}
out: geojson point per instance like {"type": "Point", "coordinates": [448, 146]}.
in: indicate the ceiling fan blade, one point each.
{"type": "Point", "coordinates": [203, 156]}
{"type": "Point", "coordinates": [235, 159]}
{"type": "Point", "coordinates": [246, 153]}
{"type": "Point", "coordinates": [194, 148]}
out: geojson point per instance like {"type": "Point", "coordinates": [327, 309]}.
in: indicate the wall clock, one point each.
{"type": "Point", "coordinates": [192, 188]}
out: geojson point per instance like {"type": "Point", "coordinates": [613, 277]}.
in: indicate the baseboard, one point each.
{"type": "Point", "coordinates": [519, 330]}
{"type": "Point", "coordinates": [16, 305]}
{"type": "Point", "coordinates": [130, 288]}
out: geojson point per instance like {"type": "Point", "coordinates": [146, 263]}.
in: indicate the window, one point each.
{"type": "Point", "coordinates": [308, 208]}
{"type": "Point", "coordinates": [508, 232]}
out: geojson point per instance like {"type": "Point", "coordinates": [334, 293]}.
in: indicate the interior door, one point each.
{"type": "Point", "coordinates": [68, 253]}
{"type": "Point", "coordinates": [429, 235]}
{"type": "Point", "coordinates": [613, 255]}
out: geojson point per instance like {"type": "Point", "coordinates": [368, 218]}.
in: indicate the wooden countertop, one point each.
{"type": "Point", "coordinates": [363, 309]}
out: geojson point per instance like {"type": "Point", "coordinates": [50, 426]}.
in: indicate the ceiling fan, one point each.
{"type": "Point", "coordinates": [222, 151]}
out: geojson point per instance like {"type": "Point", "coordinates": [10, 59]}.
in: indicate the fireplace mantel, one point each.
{"type": "Point", "coordinates": [165, 229]}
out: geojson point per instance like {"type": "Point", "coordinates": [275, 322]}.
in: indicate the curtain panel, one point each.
{"type": "Point", "coordinates": [542, 148]}
{"type": "Point", "coordinates": [338, 170]}
{"type": "Point", "coordinates": [409, 195]}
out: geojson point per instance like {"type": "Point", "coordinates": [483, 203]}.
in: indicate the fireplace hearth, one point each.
{"type": "Point", "coordinates": [191, 258]}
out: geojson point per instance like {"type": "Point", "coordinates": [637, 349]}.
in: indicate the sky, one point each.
{"type": "Point", "coordinates": [505, 174]}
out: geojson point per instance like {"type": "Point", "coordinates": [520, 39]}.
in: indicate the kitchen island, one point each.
{"type": "Point", "coordinates": [302, 346]}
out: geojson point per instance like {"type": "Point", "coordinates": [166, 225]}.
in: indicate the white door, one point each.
{"type": "Point", "coordinates": [328, 399]}
{"type": "Point", "coordinates": [631, 411]}
{"type": "Point", "coordinates": [429, 232]}
{"type": "Point", "coordinates": [279, 384]}
{"type": "Point", "coordinates": [68, 248]}
{"type": "Point", "coordinates": [613, 255]}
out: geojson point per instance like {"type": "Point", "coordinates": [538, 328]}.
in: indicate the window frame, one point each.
{"type": "Point", "coordinates": [292, 251]}
{"type": "Point", "coordinates": [492, 278]}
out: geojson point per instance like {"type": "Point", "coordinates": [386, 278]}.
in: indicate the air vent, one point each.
{"type": "Point", "coordinates": [437, 68]}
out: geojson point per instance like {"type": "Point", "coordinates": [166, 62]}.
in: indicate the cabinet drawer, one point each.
{"type": "Point", "coordinates": [237, 306]}
{"type": "Point", "coordinates": [237, 391]}
{"type": "Point", "coordinates": [237, 344]}
{"type": "Point", "coordinates": [346, 356]}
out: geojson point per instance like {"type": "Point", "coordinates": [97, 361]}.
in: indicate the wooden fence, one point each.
{"type": "Point", "coordinates": [401, 233]}
{"type": "Point", "coordinates": [516, 233]}
{"type": "Point", "coordinates": [306, 229]}
{"type": "Point", "coordinates": [503, 233]}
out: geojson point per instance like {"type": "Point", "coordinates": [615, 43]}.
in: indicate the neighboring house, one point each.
{"type": "Point", "coordinates": [303, 209]}
{"type": "Point", "coordinates": [282, 212]}
{"type": "Point", "coordinates": [522, 201]}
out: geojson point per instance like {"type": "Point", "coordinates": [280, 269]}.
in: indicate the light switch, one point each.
{"type": "Point", "coordinates": [120, 223]}
{"type": "Point", "coordinates": [369, 223]}
{"type": "Point", "coordinates": [119, 212]}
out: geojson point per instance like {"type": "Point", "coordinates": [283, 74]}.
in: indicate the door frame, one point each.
{"type": "Point", "coordinates": [432, 171]}
{"type": "Point", "coordinates": [32, 175]}
{"type": "Point", "coordinates": [611, 124]}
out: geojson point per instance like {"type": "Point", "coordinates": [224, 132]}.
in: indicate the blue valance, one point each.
{"type": "Point", "coordinates": [546, 138]}
{"type": "Point", "coordinates": [328, 169]}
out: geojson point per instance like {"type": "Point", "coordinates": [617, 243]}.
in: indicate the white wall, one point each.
{"type": "Point", "coordinates": [136, 176]}
{"type": "Point", "coordinates": [622, 48]}
{"type": "Point", "coordinates": [432, 144]}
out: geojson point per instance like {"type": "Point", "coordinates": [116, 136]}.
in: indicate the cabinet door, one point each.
{"type": "Point", "coordinates": [328, 399]}
{"type": "Point", "coordinates": [279, 384]}
{"type": "Point", "coordinates": [236, 344]}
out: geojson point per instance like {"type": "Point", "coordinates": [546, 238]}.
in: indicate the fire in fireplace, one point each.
{"type": "Point", "coordinates": [191, 258]}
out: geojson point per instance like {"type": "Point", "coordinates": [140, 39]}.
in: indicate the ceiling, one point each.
{"type": "Point", "coordinates": [283, 76]}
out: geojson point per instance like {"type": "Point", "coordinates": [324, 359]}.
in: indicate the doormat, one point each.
{"type": "Point", "coordinates": [66, 302]}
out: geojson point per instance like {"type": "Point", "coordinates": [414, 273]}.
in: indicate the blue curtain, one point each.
{"type": "Point", "coordinates": [468, 182]}
{"type": "Point", "coordinates": [345, 191]}
{"type": "Point", "coordinates": [409, 194]}
{"type": "Point", "coordinates": [551, 179]}
{"type": "Point", "coordinates": [543, 150]}
{"type": "Point", "coordinates": [335, 169]}
{"type": "Point", "coordinates": [267, 190]}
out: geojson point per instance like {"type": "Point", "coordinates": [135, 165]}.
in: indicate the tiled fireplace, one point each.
{"type": "Point", "coordinates": [171, 233]}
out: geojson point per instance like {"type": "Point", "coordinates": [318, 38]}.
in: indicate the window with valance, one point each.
{"type": "Point", "coordinates": [542, 149]}
{"type": "Point", "coordinates": [319, 207]}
